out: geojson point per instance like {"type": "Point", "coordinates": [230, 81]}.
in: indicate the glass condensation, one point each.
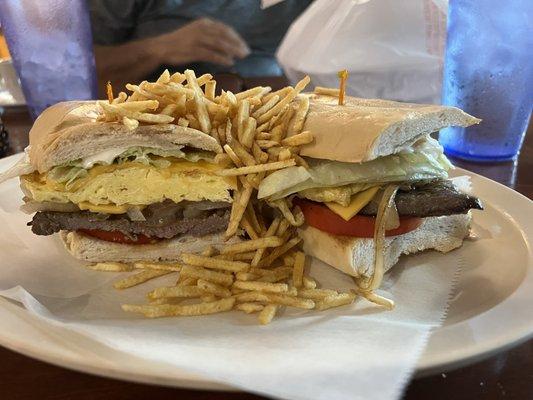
{"type": "Point", "coordinates": [489, 74]}
{"type": "Point", "coordinates": [51, 46]}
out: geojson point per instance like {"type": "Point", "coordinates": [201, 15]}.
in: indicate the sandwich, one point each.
{"type": "Point", "coordinates": [164, 180]}
{"type": "Point", "coordinates": [377, 184]}
{"type": "Point", "coordinates": [168, 170]}
{"type": "Point", "coordinates": [233, 190]}
{"type": "Point", "coordinates": [120, 194]}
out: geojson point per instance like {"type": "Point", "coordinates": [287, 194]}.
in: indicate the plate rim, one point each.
{"type": "Point", "coordinates": [425, 366]}
{"type": "Point", "coordinates": [482, 350]}
{"type": "Point", "coordinates": [78, 365]}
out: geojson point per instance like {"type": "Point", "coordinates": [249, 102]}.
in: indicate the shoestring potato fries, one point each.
{"type": "Point", "coordinates": [260, 131]}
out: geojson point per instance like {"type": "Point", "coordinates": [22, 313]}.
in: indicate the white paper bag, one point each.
{"type": "Point", "coordinates": [392, 49]}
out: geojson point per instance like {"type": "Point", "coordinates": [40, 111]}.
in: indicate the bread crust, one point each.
{"type": "Point", "coordinates": [361, 130]}
{"type": "Point", "coordinates": [365, 129]}
{"type": "Point", "coordinates": [89, 249]}
{"type": "Point", "coordinates": [69, 131]}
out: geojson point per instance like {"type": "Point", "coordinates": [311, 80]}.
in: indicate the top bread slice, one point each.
{"type": "Point", "coordinates": [365, 129]}
{"type": "Point", "coordinates": [69, 131]}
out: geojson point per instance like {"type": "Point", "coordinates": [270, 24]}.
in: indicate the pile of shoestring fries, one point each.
{"type": "Point", "coordinates": [260, 131]}
{"type": "Point", "coordinates": [218, 281]}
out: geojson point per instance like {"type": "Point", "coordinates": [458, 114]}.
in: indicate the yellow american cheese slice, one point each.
{"type": "Point", "coordinates": [105, 208]}
{"type": "Point", "coordinates": [357, 202]}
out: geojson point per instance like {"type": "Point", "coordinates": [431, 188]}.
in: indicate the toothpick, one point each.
{"type": "Point", "coordinates": [343, 76]}
{"type": "Point", "coordinates": [109, 88]}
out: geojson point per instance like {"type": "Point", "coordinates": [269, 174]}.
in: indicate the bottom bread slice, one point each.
{"type": "Point", "coordinates": [355, 256]}
{"type": "Point", "coordinates": [91, 249]}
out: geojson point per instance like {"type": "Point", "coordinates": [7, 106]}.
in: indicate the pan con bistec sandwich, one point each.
{"type": "Point", "coordinates": [224, 189]}
{"type": "Point", "coordinates": [376, 186]}
{"type": "Point", "coordinates": [145, 178]}
{"type": "Point", "coordinates": [117, 194]}
{"type": "Point", "coordinates": [164, 180]}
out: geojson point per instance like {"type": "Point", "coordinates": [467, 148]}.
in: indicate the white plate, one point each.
{"type": "Point", "coordinates": [490, 312]}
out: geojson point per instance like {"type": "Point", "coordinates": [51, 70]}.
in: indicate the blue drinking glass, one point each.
{"type": "Point", "coordinates": [488, 72]}
{"type": "Point", "coordinates": [51, 46]}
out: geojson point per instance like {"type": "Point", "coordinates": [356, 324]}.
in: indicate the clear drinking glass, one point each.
{"type": "Point", "coordinates": [488, 73]}
{"type": "Point", "coordinates": [51, 46]}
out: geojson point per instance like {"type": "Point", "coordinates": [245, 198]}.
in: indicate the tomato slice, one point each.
{"type": "Point", "coordinates": [321, 217]}
{"type": "Point", "coordinates": [117, 237]}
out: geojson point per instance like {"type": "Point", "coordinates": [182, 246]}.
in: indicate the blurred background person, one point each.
{"type": "Point", "coordinates": [137, 39]}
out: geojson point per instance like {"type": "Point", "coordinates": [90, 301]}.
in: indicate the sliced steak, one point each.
{"type": "Point", "coordinates": [429, 200]}
{"type": "Point", "coordinates": [164, 220]}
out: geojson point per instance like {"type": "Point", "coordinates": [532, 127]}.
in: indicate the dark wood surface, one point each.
{"type": "Point", "coordinates": [507, 375]}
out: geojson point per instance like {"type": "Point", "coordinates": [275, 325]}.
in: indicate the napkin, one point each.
{"type": "Point", "coordinates": [360, 351]}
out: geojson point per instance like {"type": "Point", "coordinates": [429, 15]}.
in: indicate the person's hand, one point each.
{"type": "Point", "coordinates": [201, 40]}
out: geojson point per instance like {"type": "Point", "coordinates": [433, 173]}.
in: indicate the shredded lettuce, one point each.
{"type": "Point", "coordinates": [69, 172]}
{"type": "Point", "coordinates": [67, 175]}
{"type": "Point", "coordinates": [424, 161]}
{"type": "Point", "coordinates": [150, 155]}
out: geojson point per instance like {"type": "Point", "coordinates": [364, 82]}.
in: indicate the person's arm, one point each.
{"type": "Point", "coordinates": [200, 40]}
{"type": "Point", "coordinates": [125, 63]}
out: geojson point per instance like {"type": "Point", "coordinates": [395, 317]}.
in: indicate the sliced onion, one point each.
{"type": "Point", "coordinates": [393, 219]}
{"type": "Point", "coordinates": [209, 205]}
{"type": "Point", "coordinates": [375, 298]}
{"type": "Point", "coordinates": [31, 207]}
{"type": "Point", "coordinates": [367, 285]}
{"type": "Point", "coordinates": [197, 208]}
{"type": "Point", "coordinates": [192, 212]}
{"type": "Point", "coordinates": [135, 214]}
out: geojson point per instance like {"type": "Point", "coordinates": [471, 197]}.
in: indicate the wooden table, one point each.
{"type": "Point", "coordinates": [507, 375]}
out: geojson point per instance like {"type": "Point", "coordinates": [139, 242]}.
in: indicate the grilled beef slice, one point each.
{"type": "Point", "coordinates": [163, 220]}
{"type": "Point", "coordinates": [430, 199]}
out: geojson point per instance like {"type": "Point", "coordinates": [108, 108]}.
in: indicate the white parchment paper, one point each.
{"type": "Point", "coordinates": [352, 352]}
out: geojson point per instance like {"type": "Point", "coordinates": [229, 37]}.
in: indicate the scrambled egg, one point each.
{"type": "Point", "coordinates": [134, 183]}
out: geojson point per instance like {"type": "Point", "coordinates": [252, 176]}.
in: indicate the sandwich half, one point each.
{"type": "Point", "coordinates": [377, 184]}
{"type": "Point", "coordinates": [121, 194]}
